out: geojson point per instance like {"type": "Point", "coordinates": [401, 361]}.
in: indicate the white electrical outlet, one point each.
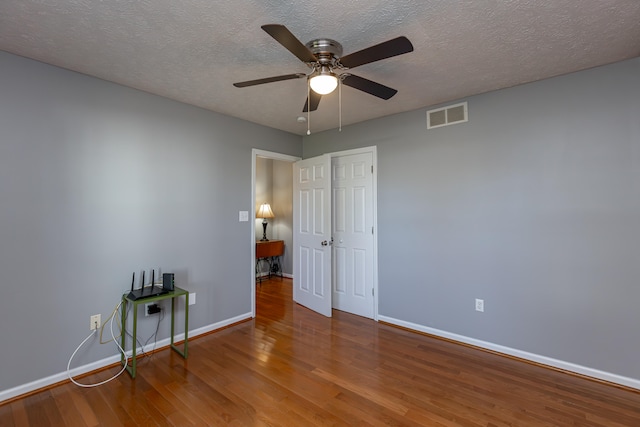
{"type": "Point", "coordinates": [479, 304]}
{"type": "Point", "coordinates": [95, 322]}
{"type": "Point", "coordinates": [192, 298]}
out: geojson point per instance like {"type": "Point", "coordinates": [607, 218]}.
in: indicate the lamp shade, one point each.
{"type": "Point", "coordinates": [324, 82]}
{"type": "Point", "coordinates": [265, 211]}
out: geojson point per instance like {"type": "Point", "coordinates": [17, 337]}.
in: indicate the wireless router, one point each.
{"type": "Point", "coordinates": [148, 291]}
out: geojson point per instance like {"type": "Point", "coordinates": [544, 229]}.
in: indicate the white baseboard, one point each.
{"type": "Point", "coordinates": [62, 376]}
{"type": "Point", "coordinates": [543, 360]}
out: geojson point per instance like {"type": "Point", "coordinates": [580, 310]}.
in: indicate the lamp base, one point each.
{"type": "Point", "coordinates": [264, 231]}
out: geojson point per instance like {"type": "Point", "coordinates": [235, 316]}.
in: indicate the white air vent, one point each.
{"type": "Point", "coordinates": [446, 116]}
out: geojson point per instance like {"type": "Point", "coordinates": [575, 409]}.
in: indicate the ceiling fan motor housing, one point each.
{"type": "Point", "coordinates": [326, 50]}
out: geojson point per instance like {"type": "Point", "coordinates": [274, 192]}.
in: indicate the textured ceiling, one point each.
{"type": "Point", "coordinates": [193, 50]}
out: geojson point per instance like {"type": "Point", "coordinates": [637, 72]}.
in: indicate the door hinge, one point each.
{"type": "Point", "coordinates": [373, 292]}
{"type": "Point", "coordinates": [371, 168]}
{"type": "Point", "coordinates": [371, 230]}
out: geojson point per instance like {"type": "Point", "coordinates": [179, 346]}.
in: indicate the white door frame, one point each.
{"type": "Point", "coordinates": [255, 153]}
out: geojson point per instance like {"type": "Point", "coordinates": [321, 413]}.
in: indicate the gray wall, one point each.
{"type": "Point", "coordinates": [274, 185]}
{"type": "Point", "coordinates": [264, 186]}
{"type": "Point", "coordinates": [533, 205]}
{"type": "Point", "coordinates": [97, 181]}
{"type": "Point", "coordinates": [282, 192]}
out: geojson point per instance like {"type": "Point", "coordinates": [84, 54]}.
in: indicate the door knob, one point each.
{"type": "Point", "coordinates": [324, 243]}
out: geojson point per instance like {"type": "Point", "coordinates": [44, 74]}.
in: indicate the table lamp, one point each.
{"type": "Point", "coordinates": [264, 212]}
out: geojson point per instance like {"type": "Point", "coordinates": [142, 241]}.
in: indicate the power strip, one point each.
{"type": "Point", "coordinates": [152, 309]}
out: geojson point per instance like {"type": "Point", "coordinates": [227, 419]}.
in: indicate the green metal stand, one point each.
{"type": "Point", "coordinates": [177, 292]}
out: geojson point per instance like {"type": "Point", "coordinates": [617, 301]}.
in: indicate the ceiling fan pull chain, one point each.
{"type": "Point", "coordinates": [340, 104]}
{"type": "Point", "coordinates": [308, 107]}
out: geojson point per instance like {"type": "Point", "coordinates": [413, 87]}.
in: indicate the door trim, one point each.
{"type": "Point", "coordinates": [255, 153]}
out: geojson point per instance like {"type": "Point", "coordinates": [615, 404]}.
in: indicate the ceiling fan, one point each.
{"type": "Point", "coordinates": [324, 57]}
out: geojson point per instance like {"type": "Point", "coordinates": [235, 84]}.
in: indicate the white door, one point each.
{"type": "Point", "coordinates": [353, 244]}
{"type": "Point", "coordinates": [312, 233]}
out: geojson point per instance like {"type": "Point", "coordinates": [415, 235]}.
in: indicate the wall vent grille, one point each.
{"type": "Point", "coordinates": [448, 115]}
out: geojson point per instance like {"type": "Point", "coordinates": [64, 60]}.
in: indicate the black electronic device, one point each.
{"type": "Point", "coordinates": [145, 291]}
{"type": "Point", "coordinates": [168, 281]}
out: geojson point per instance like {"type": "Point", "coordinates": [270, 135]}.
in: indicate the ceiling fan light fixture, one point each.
{"type": "Point", "coordinates": [324, 82]}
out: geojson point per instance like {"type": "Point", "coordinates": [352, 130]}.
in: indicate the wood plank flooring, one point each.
{"type": "Point", "coordinates": [292, 367]}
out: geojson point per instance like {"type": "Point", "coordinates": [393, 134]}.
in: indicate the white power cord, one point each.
{"type": "Point", "coordinates": [95, 331]}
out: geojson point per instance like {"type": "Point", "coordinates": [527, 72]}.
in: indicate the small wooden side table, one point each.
{"type": "Point", "coordinates": [269, 251]}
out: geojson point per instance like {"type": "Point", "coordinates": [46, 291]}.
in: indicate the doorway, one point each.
{"type": "Point", "coordinates": [260, 157]}
{"type": "Point", "coordinates": [352, 284]}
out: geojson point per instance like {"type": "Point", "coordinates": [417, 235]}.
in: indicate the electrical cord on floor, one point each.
{"type": "Point", "coordinates": [95, 331]}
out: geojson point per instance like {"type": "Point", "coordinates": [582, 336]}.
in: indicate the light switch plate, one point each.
{"type": "Point", "coordinates": [243, 216]}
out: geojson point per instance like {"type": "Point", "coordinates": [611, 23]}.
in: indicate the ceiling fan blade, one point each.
{"type": "Point", "coordinates": [290, 42]}
{"type": "Point", "coordinates": [372, 88]}
{"type": "Point", "coordinates": [315, 101]}
{"type": "Point", "coordinates": [384, 50]}
{"type": "Point", "coordinates": [270, 80]}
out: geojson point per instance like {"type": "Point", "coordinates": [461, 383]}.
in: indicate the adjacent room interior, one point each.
{"type": "Point", "coordinates": [273, 185]}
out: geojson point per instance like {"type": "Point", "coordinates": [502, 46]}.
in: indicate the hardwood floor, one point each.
{"type": "Point", "coordinates": [292, 367]}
